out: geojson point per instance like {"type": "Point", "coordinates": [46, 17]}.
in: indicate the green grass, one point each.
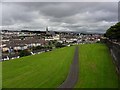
{"type": "Point", "coordinates": [96, 67]}
{"type": "Point", "coordinates": [46, 70]}
{"type": "Point", "coordinates": [0, 74]}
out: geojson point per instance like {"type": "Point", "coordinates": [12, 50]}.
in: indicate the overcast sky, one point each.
{"type": "Point", "coordinates": [60, 16]}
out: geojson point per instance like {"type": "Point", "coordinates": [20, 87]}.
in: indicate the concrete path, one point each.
{"type": "Point", "coordinates": [73, 73]}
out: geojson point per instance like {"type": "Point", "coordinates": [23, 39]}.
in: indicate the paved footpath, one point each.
{"type": "Point", "coordinates": [72, 77]}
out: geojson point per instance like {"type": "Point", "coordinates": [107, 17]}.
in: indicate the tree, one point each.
{"type": "Point", "coordinates": [114, 32]}
{"type": "Point", "coordinates": [38, 48]}
{"type": "Point", "coordinates": [24, 53]}
{"type": "Point", "coordinates": [59, 45]}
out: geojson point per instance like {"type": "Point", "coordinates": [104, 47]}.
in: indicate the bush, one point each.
{"type": "Point", "coordinates": [59, 45]}
{"type": "Point", "coordinates": [24, 53]}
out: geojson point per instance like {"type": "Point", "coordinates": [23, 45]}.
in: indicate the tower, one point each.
{"type": "Point", "coordinates": [47, 30]}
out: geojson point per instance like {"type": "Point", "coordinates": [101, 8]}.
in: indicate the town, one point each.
{"type": "Point", "coordinates": [14, 43]}
{"type": "Point", "coordinates": [59, 44]}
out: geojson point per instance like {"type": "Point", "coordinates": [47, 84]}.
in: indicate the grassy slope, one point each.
{"type": "Point", "coordinates": [0, 74]}
{"type": "Point", "coordinates": [45, 70]}
{"type": "Point", "coordinates": [96, 67]}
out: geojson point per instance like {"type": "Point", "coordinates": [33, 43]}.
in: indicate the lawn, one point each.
{"type": "Point", "coordinates": [46, 70]}
{"type": "Point", "coordinates": [96, 67]}
{"type": "Point", "coordinates": [0, 74]}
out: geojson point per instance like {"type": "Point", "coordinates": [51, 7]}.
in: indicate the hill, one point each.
{"type": "Point", "coordinates": [46, 70]}
{"type": "Point", "coordinates": [96, 67]}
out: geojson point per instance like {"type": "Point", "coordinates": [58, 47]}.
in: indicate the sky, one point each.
{"type": "Point", "coordinates": [93, 17]}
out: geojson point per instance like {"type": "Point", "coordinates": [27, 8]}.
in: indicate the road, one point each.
{"type": "Point", "coordinates": [72, 77]}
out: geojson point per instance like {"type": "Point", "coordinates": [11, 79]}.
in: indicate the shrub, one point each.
{"type": "Point", "coordinates": [24, 53]}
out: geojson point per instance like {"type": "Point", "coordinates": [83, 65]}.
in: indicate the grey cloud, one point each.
{"type": "Point", "coordinates": [80, 16]}
{"type": "Point", "coordinates": [13, 13]}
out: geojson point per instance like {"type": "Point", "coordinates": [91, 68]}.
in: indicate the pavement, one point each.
{"type": "Point", "coordinates": [72, 77]}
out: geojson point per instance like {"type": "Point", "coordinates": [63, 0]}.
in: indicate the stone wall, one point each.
{"type": "Point", "coordinates": [115, 52]}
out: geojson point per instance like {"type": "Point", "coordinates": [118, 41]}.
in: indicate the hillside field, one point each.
{"type": "Point", "coordinates": [50, 69]}
{"type": "Point", "coordinates": [46, 70]}
{"type": "Point", "coordinates": [96, 67]}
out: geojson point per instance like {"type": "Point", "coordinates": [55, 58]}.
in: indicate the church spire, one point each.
{"type": "Point", "coordinates": [46, 29]}
{"type": "Point", "coordinates": [47, 32]}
